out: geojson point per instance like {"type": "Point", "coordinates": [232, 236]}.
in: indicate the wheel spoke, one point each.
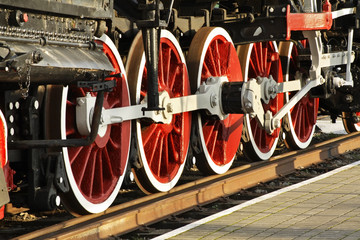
{"type": "Point", "coordinates": [80, 164]}
{"type": "Point", "coordinates": [173, 148]}
{"type": "Point", "coordinates": [300, 123]}
{"type": "Point", "coordinates": [212, 62]}
{"type": "Point", "coordinates": [255, 60]}
{"type": "Point", "coordinates": [172, 78]}
{"type": "Point", "coordinates": [74, 152]}
{"type": "Point", "coordinates": [267, 60]}
{"type": "Point", "coordinates": [161, 156]}
{"type": "Point", "coordinates": [150, 146]}
{"type": "Point", "coordinates": [218, 57]}
{"type": "Point", "coordinates": [166, 153]}
{"type": "Point", "coordinates": [208, 130]}
{"type": "Point", "coordinates": [259, 56]}
{"type": "Point", "coordinates": [98, 174]}
{"type": "Point", "coordinates": [161, 77]}
{"type": "Point", "coordinates": [87, 180]}
{"type": "Point", "coordinates": [107, 167]}
{"type": "Point", "coordinates": [227, 59]}
{"type": "Point", "coordinates": [295, 115]}
{"type": "Point", "coordinates": [167, 66]}
{"type": "Point", "coordinates": [148, 133]}
{"type": "Point", "coordinates": [212, 141]}
{"type": "Point", "coordinates": [305, 125]}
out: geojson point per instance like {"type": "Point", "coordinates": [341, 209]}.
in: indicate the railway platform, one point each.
{"type": "Point", "coordinates": [325, 207]}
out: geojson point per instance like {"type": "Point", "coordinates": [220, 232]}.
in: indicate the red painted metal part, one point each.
{"type": "Point", "coordinates": [3, 155]}
{"type": "Point", "coordinates": [308, 21]}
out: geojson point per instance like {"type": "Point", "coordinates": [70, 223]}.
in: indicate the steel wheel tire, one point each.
{"type": "Point", "coordinates": [160, 170]}
{"type": "Point", "coordinates": [261, 59]}
{"type": "Point", "coordinates": [95, 172]}
{"type": "Point", "coordinates": [212, 54]}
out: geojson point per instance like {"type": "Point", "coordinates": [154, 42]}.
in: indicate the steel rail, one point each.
{"type": "Point", "coordinates": [131, 215]}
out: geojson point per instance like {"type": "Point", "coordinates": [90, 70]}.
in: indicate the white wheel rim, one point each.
{"type": "Point", "coordinates": [159, 186]}
{"type": "Point", "coordinates": [259, 153]}
{"type": "Point", "coordinates": [216, 168]}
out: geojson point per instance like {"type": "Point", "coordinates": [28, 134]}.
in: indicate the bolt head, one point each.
{"type": "Point", "coordinates": [170, 108]}
{"type": "Point", "coordinates": [80, 101]}
{"type": "Point", "coordinates": [349, 98]}
{"type": "Point", "coordinates": [248, 105]}
{"type": "Point", "coordinates": [36, 104]}
{"type": "Point", "coordinates": [57, 201]}
{"type": "Point", "coordinates": [131, 177]}
{"type": "Point", "coordinates": [277, 123]}
{"type": "Point", "coordinates": [213, 101]}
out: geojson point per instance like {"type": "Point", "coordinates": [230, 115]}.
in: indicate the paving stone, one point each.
{"type": "Point", "coordinates": [354, 235]}
{"type": "Point", "coordinates": [327, 209]}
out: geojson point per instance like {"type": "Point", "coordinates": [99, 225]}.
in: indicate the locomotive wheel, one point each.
{"type": "Point", "coordinates": [162, 148]}
{"type": "Point", "coordinates": [349, 125]}
{"type": "Point", "coordinates": [261, 60]}
{"type": "Point", "coordinates": [212, 54]}
{"type": "Point", "coordinates": [300, 121]}
{"type": "Point", "coordinates": [95, 172]}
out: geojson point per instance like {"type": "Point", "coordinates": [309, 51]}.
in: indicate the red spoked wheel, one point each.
{"type": "Point", "coordinates": [261, 60]}
{"type": "Point", "coordinates": [300, 121]}
{"type": "Point", "coordinates": [162, 147]}
{"type": "Point", "coordinates": [212, 54]}
{"type": "Point", "coordinates": [349, 125]}
{"type": "Point", "coordinates": [95, 172]}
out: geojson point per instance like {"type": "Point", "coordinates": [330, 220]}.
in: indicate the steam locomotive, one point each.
{"type": "Point", "coordinates": [95, 91]}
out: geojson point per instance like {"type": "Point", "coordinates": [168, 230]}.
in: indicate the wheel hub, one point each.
{"type": "Point", "coordinates": [164, 99]}
{"type": "Point", "coordinates": [84, 114]}
{"type": "Point", "coordinates": [269, 88]}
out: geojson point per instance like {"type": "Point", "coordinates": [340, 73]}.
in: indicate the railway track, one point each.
{"type": "Point", "coordinates": [126, 217]}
